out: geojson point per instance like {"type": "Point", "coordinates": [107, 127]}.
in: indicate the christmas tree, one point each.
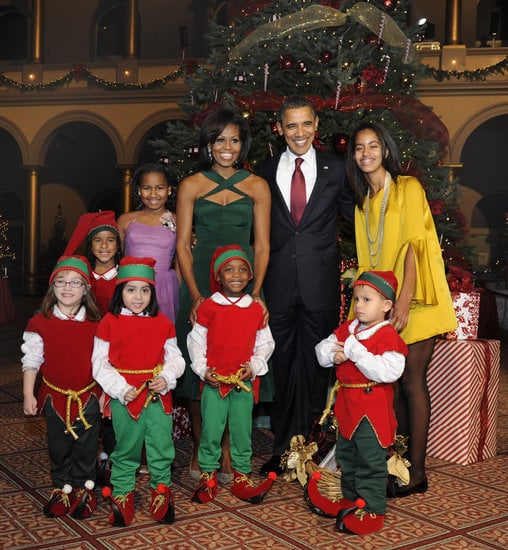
{"type": "Point", "coordinates": [51, 252]}
{"type": "Point", "coordinates": [355, 60]}
{"type": "Point", "coordinates": [6, 253]}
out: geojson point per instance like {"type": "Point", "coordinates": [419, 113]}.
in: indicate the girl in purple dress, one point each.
{"type": "Point", "coordinates": [150, 230]}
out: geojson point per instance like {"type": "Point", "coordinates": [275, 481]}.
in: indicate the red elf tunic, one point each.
{"type": "Point", "coordinates": [354, 404]}
{"type": "Point", "coordinates": [103, 287]}
{"type": "Point", "coordinates": [231, 338]}
{"type": "Point", "coordinates": [67, 363]}
{"type": "Point", "coordinates": [136, 349]}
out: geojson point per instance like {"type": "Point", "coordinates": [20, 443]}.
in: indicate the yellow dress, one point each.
{"type": "Point", "coordinates": [409, 222]}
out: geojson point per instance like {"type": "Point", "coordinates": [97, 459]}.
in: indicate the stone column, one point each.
{"type": "Point", "coordinates": [126, 190]}
{"type": "Point", "coordinates": [32, 71]}
{"type": "Point", "coordinates": [32, 231]}
{"type": "Point", "coordinates": [452, 22]}
{"type": "Point", "coordinates": [132, 29]}
{"type": "Point", "coordinates": [453, 55]}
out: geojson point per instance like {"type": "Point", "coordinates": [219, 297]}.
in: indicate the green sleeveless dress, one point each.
{"type": "Point", "coordinates": [214, 225]}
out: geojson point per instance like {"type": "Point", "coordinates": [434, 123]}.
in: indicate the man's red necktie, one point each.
{"type": "Point", "coordinates": [298, 194]}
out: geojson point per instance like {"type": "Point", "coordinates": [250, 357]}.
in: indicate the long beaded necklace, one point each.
{"type": "Point", "coordinates": [376, 244]}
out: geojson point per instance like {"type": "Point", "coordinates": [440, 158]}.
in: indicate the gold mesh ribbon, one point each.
{"type": "Point", "coordinates": [233, 379]}
{"type": "Point", "coordinates": [72, 395]}
{"type": "Point", "coordinates": [317, 17]}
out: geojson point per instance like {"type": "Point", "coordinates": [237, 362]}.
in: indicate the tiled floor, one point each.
{"type": "Point", "coordinates": [465, 507]}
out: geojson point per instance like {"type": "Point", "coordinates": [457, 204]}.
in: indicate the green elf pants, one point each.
{"type": "Point", "coordinates": [364, 471]}
{"type": "Point", "coordinates": [236, 410]}
{"type": "Point", "coordinates": [154, 428]}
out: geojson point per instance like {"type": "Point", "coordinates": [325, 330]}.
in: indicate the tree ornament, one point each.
{"type": "Point", "coordinates": [405, 80]}
{"type": "Point", "coordinates": [286, 62]}
{"type": "Point", "coordinates": [371, 38]}
{"type": "Point", "coordinates": [345, 66]}
{"type": "Point", "coordinates": [340, 143]}
{"type": "Point", "coordinates": [326, 57]}
{"type": "Point", "coordinates": [273, 126]}
{"type": "Point", "coordinates": [301, 67]}
{"type": "Point", "coordinates": [240, 78]}
{"type": "Point", "coordinates": [389, 5]}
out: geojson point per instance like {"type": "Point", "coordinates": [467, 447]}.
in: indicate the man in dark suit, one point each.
{"type": "Point", "coordinates": [302, 285]}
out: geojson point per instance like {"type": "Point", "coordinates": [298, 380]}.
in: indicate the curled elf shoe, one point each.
{"type": "Point", "coordinates": [358, 504]}
{"type": "Point", "coordinates": [162, 508]}
{"type": "Point", "coordinates": [245, 489]}
{"type": "Point", "coordinates": [207, 488]}
{"type": "Point", "coordinates": [123, 508]}
{"type": "Point", "coordinates": [59, 502]}
{"type": "Point", "coordinates": [321, 505]}
{"type": "Point", "coordinates": [84, 503]}
{"type": "Point", "coordinates": [362, 522]}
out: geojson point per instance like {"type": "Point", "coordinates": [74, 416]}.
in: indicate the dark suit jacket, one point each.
{"type": "Point", "coordinates": [307, 255]}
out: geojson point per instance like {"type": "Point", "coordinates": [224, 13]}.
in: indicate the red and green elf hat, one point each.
{"type": "Point", "coordinates": [384, 282]}
{"type": "Point", "coordinates": [79, 264]}
{"type": "Point", "coordinates": [136, 269]}
{"type": "Point", "coordinates": [223, 255]}
{"type": "Point", "coordinates": [88, 225]}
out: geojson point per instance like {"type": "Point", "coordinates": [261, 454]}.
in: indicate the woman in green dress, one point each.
{"type": "Point", "coordinates": [223, 204]}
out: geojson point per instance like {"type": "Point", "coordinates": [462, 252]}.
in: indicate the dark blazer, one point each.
{"type": "Point", "coordinates": [307, 255]}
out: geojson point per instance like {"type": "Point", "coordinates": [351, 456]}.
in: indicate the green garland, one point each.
{"type": "Point", "coordinates": [79, 72]}
{"type": "Point", "coordinates": [476, 75]}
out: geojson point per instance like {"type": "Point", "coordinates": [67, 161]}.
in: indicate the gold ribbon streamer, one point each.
{"type": "Point", "coordinates": [72, 395]}
{"type": "Point", "coordinates": [317, 17]}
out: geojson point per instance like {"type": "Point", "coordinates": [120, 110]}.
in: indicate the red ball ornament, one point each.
{"type": "Point", "coordinates": [373, 39]}
{"type": "Point", "coordinates": [340, 143]}
{"type": "Point", "coordinates": [286, 62]}
{"type": "Point", "coordinates": [326, 57]}
{"type": "Point", "coordinates": [389, 5]}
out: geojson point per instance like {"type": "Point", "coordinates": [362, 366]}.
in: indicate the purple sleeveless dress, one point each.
{"type": "Point", "coordinates": [159, 243]}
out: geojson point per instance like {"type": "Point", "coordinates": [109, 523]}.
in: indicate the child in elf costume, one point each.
{"type": "Point", "coordinates": [229, 347]}
{"type": "Point", "coordinates": [58, 343]}
{"type": "Point", "coordinates": [103, 251]}
{"type": "Point", "coordinates": [368, 355]}
{"type": "Point", "coordinates": [137, 362]}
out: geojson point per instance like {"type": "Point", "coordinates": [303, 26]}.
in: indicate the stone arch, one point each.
{"type": "Point", "coordinates": [47, 132]}
{"type": "Point", "coordinates": [18, 135]}
{"type": "Point", "coordinates": [135, 141]}
{"type": "Point", "coordinates": [459, 139]}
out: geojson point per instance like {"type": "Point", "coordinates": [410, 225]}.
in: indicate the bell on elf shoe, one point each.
{"type": "Point", "coordinates": [162, 507]}
{"type": "Point", "coordinates": [245, 489]}
{"type": "Point", "coordinates": [207, 488]}
{"type": "Point", "coordinates": [84, 503]}
{"type": "Point", "coordinates": [123, 508]}
{"type": "Point", "coordinates": [59, 502]}
{"type": "Point", "coordinates": [357, 521]}
{"type": "Point", "coordinates": [321, 505]}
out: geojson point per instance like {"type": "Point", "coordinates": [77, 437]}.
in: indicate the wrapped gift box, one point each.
{"type": "Point", "coordinates": [467, 311]}
{"type": "Point", "coordinates": [181, 422]}
{"type": "Point", "coordinates": [463, 379]}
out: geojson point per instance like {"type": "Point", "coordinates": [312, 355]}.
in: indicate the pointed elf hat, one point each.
{"type": "Point", "coordinates": [223, 255]}
{"type": "Point", "coordinates": [136, 269]}
{"type": "Point", "coordinates": [88, 225]}
{"type": "Point", "coordinates": [384, 282]}
{"type": "Point", "coordinates": [79, 264]}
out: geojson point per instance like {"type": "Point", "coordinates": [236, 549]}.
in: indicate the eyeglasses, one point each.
{"type": "Point", "coordinates": [60, 283]}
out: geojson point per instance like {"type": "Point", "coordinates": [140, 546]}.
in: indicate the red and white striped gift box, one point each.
{"type": "Point", "coordinates": [463, 379]}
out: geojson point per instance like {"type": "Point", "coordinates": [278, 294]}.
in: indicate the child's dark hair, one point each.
{"type": "Point", "coordinates": [159, 167]}
{"type": "Point", "coordinates": [116, 304]}
{"type": "Point", "coordinates": [91, 257]}
{"type": "Point", "coordinates": [49, 300]}
{"type": "Point", "coordinates": [390, 159]}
